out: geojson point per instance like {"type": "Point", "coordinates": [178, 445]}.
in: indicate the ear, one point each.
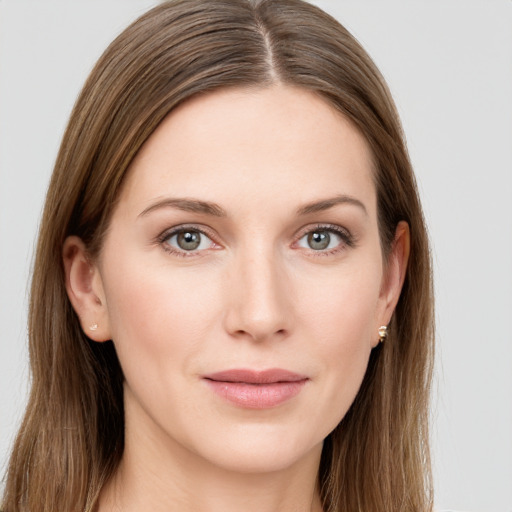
{"type": "Point", "coordinates": [85, 290]}
{"type": "Point", "coordinates": [394, 275]}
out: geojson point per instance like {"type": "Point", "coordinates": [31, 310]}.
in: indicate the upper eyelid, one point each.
{"type": "Point", "coordinates": [324, 227]}
{"type": "Point", "coordinates": [183, 227]}
{"type": "Point", "coordinates": [209, 232]}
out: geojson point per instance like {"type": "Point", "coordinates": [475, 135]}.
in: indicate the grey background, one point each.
{"type": "Point", "coordinates": [449, 66]}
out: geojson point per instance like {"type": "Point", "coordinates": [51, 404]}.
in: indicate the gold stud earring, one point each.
{"type": "Point", "coordinates": [93, 327]}
{"type": "Point", "coordinates": [383, 333]}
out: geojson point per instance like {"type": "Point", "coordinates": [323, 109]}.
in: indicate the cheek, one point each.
{"type": "Point", "coordinates": [156, 311]}
{"type": "Point", "coordinates": [341, 327]}
{"type": "Point", "coordinates": [345, 310]}
{"type": "Point", "coordinates": [159, 319]}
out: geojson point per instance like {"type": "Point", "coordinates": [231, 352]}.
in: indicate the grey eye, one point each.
{"type": "Point", "coordinates": [319, 240]}
{"type": "Point", "coordinates": [189, 240]}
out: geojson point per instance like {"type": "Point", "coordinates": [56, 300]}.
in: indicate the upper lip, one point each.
{"type": "Point", "coordinates": [247, 376]}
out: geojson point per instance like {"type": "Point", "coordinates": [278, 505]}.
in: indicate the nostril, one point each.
{"type": "Point", "coordinates": [261, 334]}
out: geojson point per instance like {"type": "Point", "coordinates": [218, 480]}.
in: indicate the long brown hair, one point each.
{"type": "Point", "coordinates": [71, 439]}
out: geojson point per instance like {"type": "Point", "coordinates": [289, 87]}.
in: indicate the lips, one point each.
{"type": "Point", "coordinates": [252, 389]}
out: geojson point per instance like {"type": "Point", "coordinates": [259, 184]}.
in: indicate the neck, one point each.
{"type": "Point", "coordinates": [210, 489]}
{"type": "Point", "coordinates": [174, 478]}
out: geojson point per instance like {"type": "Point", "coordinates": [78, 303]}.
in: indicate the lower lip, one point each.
{"type": "Point", "coordinates": [256, 396]}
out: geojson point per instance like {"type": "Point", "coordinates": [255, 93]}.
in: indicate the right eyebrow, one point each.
{"type": "Point", "coordinates": [187, 205]}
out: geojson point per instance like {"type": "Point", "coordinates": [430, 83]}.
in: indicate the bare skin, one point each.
{"type": "Point", "coordinates": [246, 237]}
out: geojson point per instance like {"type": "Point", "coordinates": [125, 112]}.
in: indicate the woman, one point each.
{"type": "Point", "coordinates": [231, 305]}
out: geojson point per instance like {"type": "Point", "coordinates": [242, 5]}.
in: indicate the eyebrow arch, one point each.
{"type": "Point", "coordinates": [187, 205]}
{"type": "Point", "coordinates": [325, 204]}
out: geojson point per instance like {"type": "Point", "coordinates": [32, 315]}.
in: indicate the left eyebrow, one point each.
{"type": "Point", "coordinates": [326, 204]}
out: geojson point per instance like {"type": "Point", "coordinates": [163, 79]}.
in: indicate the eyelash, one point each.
{"type": "Point", "coordinates": [166, 235]}
{"type": "Point", "coordinates": [347, 239]}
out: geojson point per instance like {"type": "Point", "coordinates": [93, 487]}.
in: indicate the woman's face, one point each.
{"type": "Point", "coordinates": [242, 279]}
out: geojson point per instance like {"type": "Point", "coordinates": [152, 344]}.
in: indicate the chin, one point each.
{"type": "Point", "coordinates": [260, 449]}
{"type": "Point", "coordinates": [260, 461]}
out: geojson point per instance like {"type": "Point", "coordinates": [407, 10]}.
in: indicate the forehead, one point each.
{"type": "Point", "coordinates": [233, 146]}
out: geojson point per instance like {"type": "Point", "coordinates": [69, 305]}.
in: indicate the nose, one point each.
{"type": "Point", "coordinates": [258, 298]}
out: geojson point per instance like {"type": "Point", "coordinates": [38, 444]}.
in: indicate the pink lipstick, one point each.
{"type": "Point", "coordinates": [252, 389]}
